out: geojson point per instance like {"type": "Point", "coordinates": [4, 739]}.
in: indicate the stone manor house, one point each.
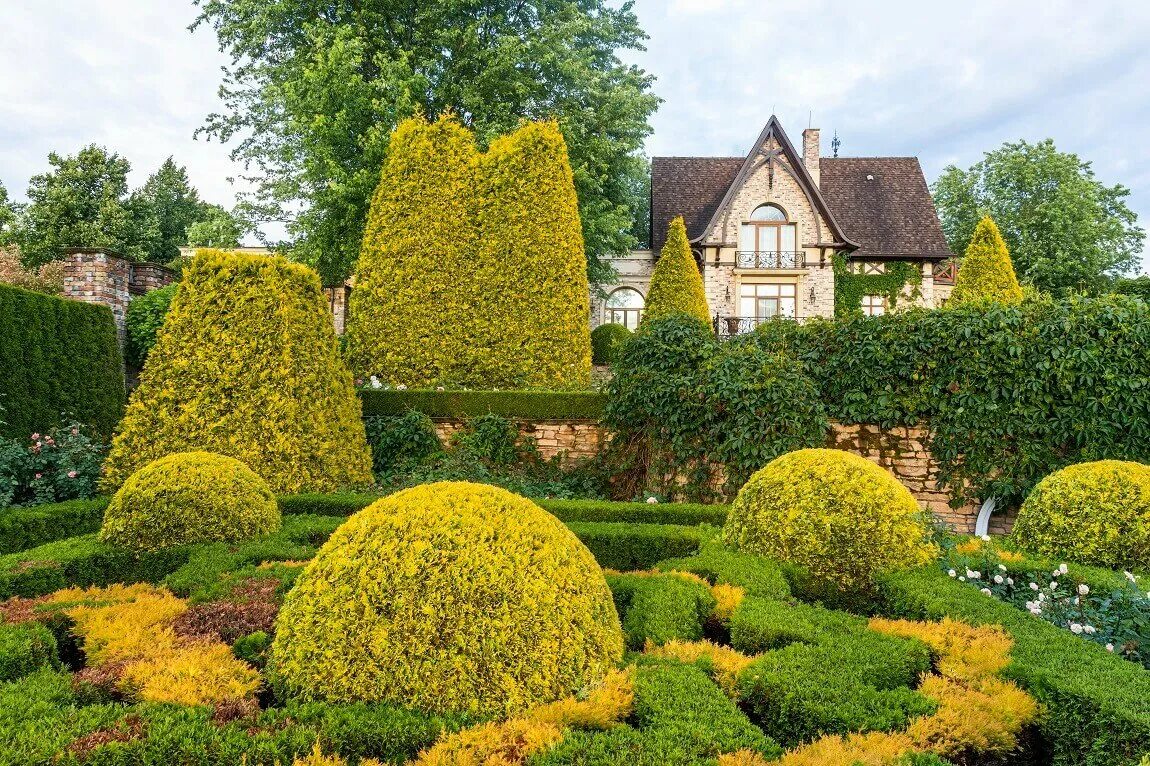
{"type": "Point", "coordinates": [764, 228]}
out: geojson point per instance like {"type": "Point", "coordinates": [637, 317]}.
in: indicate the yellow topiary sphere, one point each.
{"type": "Point", "coordinates": [1094, 513]}
{"type": "Point", "coordinates": [448, 597]}
{"type": "Point", "coordinates": [838, 515]}
{"type": "Point", "coordinates": [190, 497]}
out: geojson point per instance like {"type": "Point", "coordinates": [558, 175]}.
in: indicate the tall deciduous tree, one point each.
{"type": "Point", "coordinates": [1066, 230]}
{"type": "Point", "coordinates": [315, 89]}
{"type": "Point", "coordinates": [8, 218]}
{"type": "Point", "coordinates": [82, 202]}
{"type": "Point", "coordinates": [986, 273]}
{"type": "Point", "coordinates": [169, 197]}
{"type": "Point", "coordinates": [215, 227]}
{"type": "Point", "coordinates": [530, 316]}
{"type": "Point", "coordinates": [411, 303]}
{"type": "Point", "coordinates": [676, 284]}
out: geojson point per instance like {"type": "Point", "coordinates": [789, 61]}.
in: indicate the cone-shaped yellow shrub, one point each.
{"type": "Point", "coordinates": [530, 320]}
{"type": "Point", "coordinates": [1094, 513]}
{"type": "Point", "coordinates": [676, 284]}
{"type": "Point", "coordinates": [986, 272]}
{"type": "Point", "coordinates": [448, 597]}
{"type": "Point", "coordinates": [247, 365]}
{"type": "Point", "coordinates": [410, 304]}
{"type": "Point", "coordinates": [838, 515]}
{"type": "Point", "coordinates": [186, 498]}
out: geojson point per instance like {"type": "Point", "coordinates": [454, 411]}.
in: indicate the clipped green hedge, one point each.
{"type": "Point", "coordinates": [1098, 705]}
{"type": "Point", "coordinates": [628, 547]}
{"type": "Point", "coordinates": [26, 648]}
{"type": "Point", "coordinates": [59, 361]}
{"type": "Point", "coordinates": [659, 608]}
{"type": "Point", "coordinates": [523, 405]}
{"type": "Point", "coordinates": [28, 527]}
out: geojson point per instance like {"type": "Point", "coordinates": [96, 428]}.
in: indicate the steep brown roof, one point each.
{"type": "Point", "coordinates": [883, 203]}
{"type": "Point", "coordinates": [691, 187]}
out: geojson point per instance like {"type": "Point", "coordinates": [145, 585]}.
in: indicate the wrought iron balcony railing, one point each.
{"type": "Point", "coordinates": [728, 327]}
{"type": "Point", "coordinates": [770, 259]}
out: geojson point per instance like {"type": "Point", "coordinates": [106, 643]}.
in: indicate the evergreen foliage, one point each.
{"type": "Point", "coordinates": [146, 315]}
{"type": "Point", "coordinates": [59, 361]}
{"type": "Point", "coordinates": [187, 498]}
{"type": "Point", "coordinates": [247, 366]}
{"type": "Point", "coordinates": [410, 310]}
{"type": "Point", "coordinates": [986, 273]}
{"type": "Point", "coordinates": [607, 340]}
{"type": "Point", "coordinates": [530, 279]}
{"type": "Point", "coordinates": [676, 284]}
{"type": "Point", "coordinates": [448, 597]}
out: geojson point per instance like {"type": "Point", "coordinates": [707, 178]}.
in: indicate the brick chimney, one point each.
{"type": "Point", "coordinates": [811, 152]}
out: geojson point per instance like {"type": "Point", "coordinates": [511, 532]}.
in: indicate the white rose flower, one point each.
{"type": "Point", "coordinates": [1075, 628]}
{"type": "Point", "coordinates": [952, 573]}
{"type": "Point", "coordinates": [1002, 567]}
{"type": "Point", "coordinates": [401, 387]}
{"type": "Point", "coordinates": [1062, 568]}
{"type": "Point", "coordinates": [1083, 589]}
{"type": "Point", "coordinates": [1034, 586]}
{"type": "Point", "coordinates": [1053, 585]}
{"type": "Point", "coordinates": [1110, 647]}
{"type": "Point", "coordinates": [1090, 629]}
{"type": "Point", "coordinates": [986, 538]}
{"type": "Point", "coordinates": [1010, 581]}
{"type": "Point", "coordinates": [985, 591]}
{"type": "Point", "coordinates": [652, 500]}
{"type": "Point", "coordinates": [1055, 573]}
{"type": "Point", "coordinates": [972, 574]}
{"type": "Point", "coordinates": [1130, 576]}
{"type": "Point", "coordinates": [961, 578]}
{"type": "Point", "coordinates": [998, 579]}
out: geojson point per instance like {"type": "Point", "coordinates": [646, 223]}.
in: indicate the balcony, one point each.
{"type": "Point", "coordinates": [729, 327]}
{"type": "Point", "coordinates": [770, 259]}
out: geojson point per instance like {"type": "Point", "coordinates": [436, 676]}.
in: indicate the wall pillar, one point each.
{"type": "Point", "coordinates": [99, 275]}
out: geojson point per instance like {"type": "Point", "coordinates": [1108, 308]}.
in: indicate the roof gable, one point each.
{"type": "Point", "coordinates": [691, 187]}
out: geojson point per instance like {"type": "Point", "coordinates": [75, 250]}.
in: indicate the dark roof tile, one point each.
{"type": "Point", "coordinates": [688, 186]}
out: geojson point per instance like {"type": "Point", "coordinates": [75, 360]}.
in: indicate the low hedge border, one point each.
{"type": "Point", "coordinates": [1097, 705]}
{"type": "Point", "coordinates": [660, 608]}
{"type": "Point", "coordinates": [522, 405]}
{"type": "Point", "coordinates": [24, 528]}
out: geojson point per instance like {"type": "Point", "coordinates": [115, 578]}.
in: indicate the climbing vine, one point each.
{"type": "Point", "coordinates": [850, 288]}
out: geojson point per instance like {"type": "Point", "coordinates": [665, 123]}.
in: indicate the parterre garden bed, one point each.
{"type": "Point", "coordinates": [727, 662]}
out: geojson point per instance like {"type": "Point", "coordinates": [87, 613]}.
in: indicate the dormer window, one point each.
{"type": "Point", "coordinates": [769, 240]}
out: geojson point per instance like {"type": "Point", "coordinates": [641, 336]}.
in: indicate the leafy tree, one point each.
{"type": "Point", "coordinates": [82, 202]}
{"type": "Point", "coordinates": [1066, 230]}
{"type": "Point", "coordinates": [9, 218]}
{"type": "Point", "coordinates": [676, 284]}
{"type": "Point", "coordinates": [1138, 286]}
{"type": "Point", "coordinates": [411, 304]}
{"type": "Point", "coordinates": [986, 273]}
{"type": "Point", "coordinates": [316, 89]}
{"type": "Point", "coordinates": [529, 320]}
{"type": "Point", "coordinates": [168, 196]}
{"type": "Point", "coordinates": [215, 227]}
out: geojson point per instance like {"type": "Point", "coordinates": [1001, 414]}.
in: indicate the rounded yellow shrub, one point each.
{"type": "Point", "coordinates": [838, 515]}
{"type": "Point", "coordinates": [189, 497]}
{"type": "Point", "coordinates": [448, 597]}
{"type": "Point", "coordinates": [1094, 513]}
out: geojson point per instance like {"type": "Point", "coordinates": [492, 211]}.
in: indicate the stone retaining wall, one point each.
{"type": "Point", "coordinates": [575, 439]}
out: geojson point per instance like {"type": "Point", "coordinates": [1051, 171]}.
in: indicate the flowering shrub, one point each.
{"type": "Point", "coordinates": [63, 464]}
{"type": "Point", "coordinates": [1111, 615]}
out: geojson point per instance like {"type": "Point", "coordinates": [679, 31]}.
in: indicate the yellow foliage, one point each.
{"type": "Point", "coordinates": [743, 758]}
{"type": "Point", "coordinates": [492, 744]}
{"type": "Point", "coordinates": [986, 272]}
{"type": "Point", "coordinates": [602, 708]}
{"type": "Point", "coordinates": [873, 749]}
{"type": "Point", "coordinates": [836, 514]}
{"type": "Point", "coordinates": [247, 365]}
{"type": "Point", "coordinates": [131, 625]}
{"type": "Point", "coordinates": [981, 717]}
{"type": "Point", "coordinates": [727, 600]}
{"type": "Point", "coordinates": [676, 284]}
{"type": "Point", "coordinates": [317, 758]}
{"type": "Point", "coordinates": [965, 652]}
{"type": "Point", "coordinates": [725, 663]}
{"type": "Point", "coordinates": [448, 597]}
{"type": "Point", "coordinates": [189, 497]}
{"type": "Point", "coordinates": [1094, 513]}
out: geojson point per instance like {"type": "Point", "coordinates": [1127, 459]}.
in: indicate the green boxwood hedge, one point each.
{"type": "Point", "coordinates": [59, 361]}
{"type": "Point", "coordinates": [27, 527]}
{"type": "Point", "coordinates": [523, 405]}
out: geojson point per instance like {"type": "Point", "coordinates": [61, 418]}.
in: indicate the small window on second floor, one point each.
{"type": "Point", "coordinates": [874, 305]}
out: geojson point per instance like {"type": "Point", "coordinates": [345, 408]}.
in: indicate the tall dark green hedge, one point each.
{"type": "Point", "coordinates": [1011, 393]}
{"type": "Point", "coordinates": [59, 361]}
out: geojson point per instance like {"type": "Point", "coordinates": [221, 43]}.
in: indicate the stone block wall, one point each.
{"type": "Point", "coordinates": [337, 298]}
{"type": "Point", "coordinates": [97, 275]}
{"type": "Point", "coordinates": [574, 439]}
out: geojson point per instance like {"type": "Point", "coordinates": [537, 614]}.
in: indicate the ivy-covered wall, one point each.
{"type": "Point", "coordinates": [850, 287]}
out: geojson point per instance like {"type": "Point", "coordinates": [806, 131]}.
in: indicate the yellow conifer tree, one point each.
{"type": "Point", "coordinates": [676, 284]}
{"type": "Point", "coordinates": [986, 272]}
{"type": "Point", "coordinates": [408, 308]}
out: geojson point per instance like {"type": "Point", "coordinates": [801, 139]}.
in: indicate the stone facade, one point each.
{"type": "Point", "coordinates": [96, 275]}
{"type": "Point", "coordinates": [570, 439]}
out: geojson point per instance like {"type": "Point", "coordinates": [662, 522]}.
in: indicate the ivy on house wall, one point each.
{"type": "Point", "coordinates": [850, 288]}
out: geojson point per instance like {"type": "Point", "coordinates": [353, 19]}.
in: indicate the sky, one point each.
{"type": "Point", "coordinates": [942, 81]}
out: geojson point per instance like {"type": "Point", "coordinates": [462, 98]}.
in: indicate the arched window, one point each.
{"type": "Point", "coordinates": [625, 307]}
{"type": "Point", "coordinates": [768, 239]}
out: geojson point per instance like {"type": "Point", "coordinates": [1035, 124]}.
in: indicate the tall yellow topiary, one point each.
{"type": "Point", "coordinates": [986, 273]}
{"type": "Point", "coordinates": [448, 597]}
{"type": "Point", "coordinates": [409, 309]}
{"type": "Point", "coordinates": [676, 284]}
{"type": "Point", "coordinates": [247, 365]}
{"type": "Point", "coordinates": [529, 322]}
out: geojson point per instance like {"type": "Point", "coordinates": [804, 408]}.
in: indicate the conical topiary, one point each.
{"type": "Point", "coordinates": [530, 322]}
{"type": "Point", "coordinates": [676, 284]}
{"type": "Point", "coordinates": [410, 300]}
{"type": "Point", "coordinates": [247, 365]}
{"type": "Point", "coordinates": [986, 273]}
